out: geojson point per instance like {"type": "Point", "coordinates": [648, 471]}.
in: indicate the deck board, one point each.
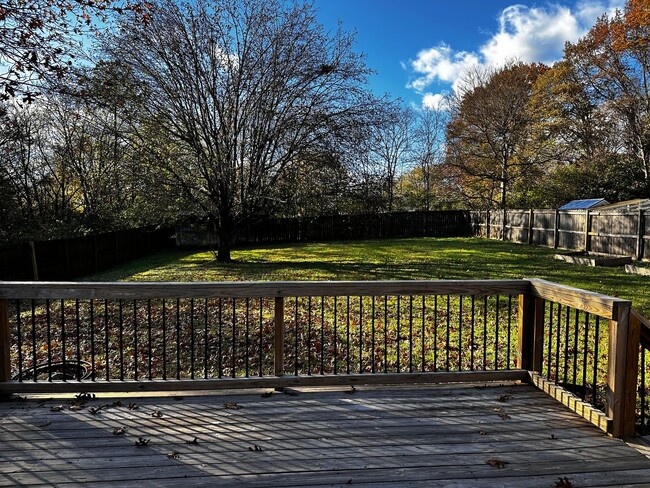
{"type": "Point", "coordinates": [376, 437]}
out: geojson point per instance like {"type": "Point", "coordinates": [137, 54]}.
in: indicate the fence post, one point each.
{"type": "Point", "coordinates": [530, 226]}
{"type": "Point", "coordinates": [587, 230]}
{"type": "Point", "coordinates": [640, 233]}
{"type": "Point", "coordinates": [556, 227]}
{"type": "Point", "coordinates": [5, 344]}
{"type": "Point", "coordinates": [531, 332]}
{"type": "Point", "coordinates": [279, 337]}
{"type": "Point", "coordinates": [487, 223]}
{"type": "Point", "coordinates": [622, 370]}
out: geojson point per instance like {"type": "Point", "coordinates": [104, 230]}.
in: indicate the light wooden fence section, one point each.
{"type": "Point", "coordinates": [621, 233]}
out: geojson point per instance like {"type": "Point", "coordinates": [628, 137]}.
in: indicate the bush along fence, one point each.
{"type": "Point", "coordinates": [580, 347]}
{"type": "Point", "coordinates": [452, 223]}
{"type": "Point", "coordinates": [621, 232]}
{"type": "Point", "coordinates": [64, 259]}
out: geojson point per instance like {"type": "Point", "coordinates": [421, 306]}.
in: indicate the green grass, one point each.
{"type": "Point", "coordinates": [390, 259]}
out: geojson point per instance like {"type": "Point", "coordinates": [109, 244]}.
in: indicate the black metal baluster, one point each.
{"type": "Point", "coordinates": [595, 378]}
{"type": "Point", "coordinates": [347, 346]}
{"type": "Point", "coordinates": [309, 336]}
{"type": "Point", "coordinates": [424, 313]}
{"type": "Point", "coordinates": [164, 338]}
{"type": "Point", "coordinates": [106, 340]}
{"type": "Point", "coordinates": [399, 330]}
{"type": "Point", "coordinates": [234, 339]}
{"type": "Point", "coordinates": [485, 309]}
{"type": "Point", "coordinates": [220, 340]}
{"type": "Point", "coordinates": [120, 318]}
{"type": "Point", "coordinates": [575, 350]}
{"type": "Point", "coordinates": [19, 325]}
{"type": "Point", "coordinates": [471, 334]}
{"type": "Point", "coordinates": [435, 332]}
{"type": "Point", "coordinates": [295, 352]}
{"type": "Point", "coordinates": [372, 336]}
{"type": "Point", "coordinates": [78, 339]}
{"type": "Point", "coordinates": [48, 320]}
{"type": "Point", "coordinates": [557, 343]}
{"type": "Point", "coordinates": [566, 346]}
{"type": "Point", "coordinates": [205, 340]}
{"type": "Point", "coordinates": [34, 361]}
{"type": "Point", "coordinates": [496, 334]}
{"type": "Point", "coordinates": [448, 339]}
{"type": "Point", "coordinates": [509, 330]}
{"type": "Point", "coordinates": [460, 333]}
{"type": "Point", "coordinates": [135, 340]}
{"type": "Point", "coordinates": [642, 392]}
{"type": "Point", "coordinates": [584, 357]}
{"type": "Point", "coordinates": [261, 372]}
{"type": "Point", "coordinates": [63, 344]}
{"type": "Point", "coordinates": [178, 339]}
{"type": "Point", "coordinates": [92, 340]}
{"type": "Point", "coordinates": [246, 337]}
{"type": "Point", "coordinates": [410, 333]}
{"type": "Point", "coordinates": [322, 335]}
{"type": "Point", "coordinates": [192, 344]}
{"type": "Point", "coordinates": [335, 335]}
{"type": "Point", "coordinates": [361, 335]}
{"type": "Point", "coordinates": [149, 348]}
{"type": "Point", "coordinates": [549, 366]}
{"type": "Point", "coordinates": [385, 333]}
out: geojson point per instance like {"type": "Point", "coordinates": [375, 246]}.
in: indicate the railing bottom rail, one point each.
{"type": "Point", "coordinates": [71, 386]}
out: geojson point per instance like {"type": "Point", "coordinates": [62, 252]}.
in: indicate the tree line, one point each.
{"type": "Point", "coordinates": [228, 111]}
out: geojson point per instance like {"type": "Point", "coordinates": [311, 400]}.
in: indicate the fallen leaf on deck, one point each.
{"type": "Point", "coordinates": [255, 447]}
{"type": "Point", "coordinates": [552, 437]}
{"type": "Point", "coordinates": [267, 394]}
{"type": "Point", "coordinates": [504, 398]}
{"type": "Point", "coordinates": [94, 410]}
{"type": "Point", "coordinates": [119, 431]}
{"type": "Point", "coordinates": [173, 455]}
{"type": "Point", "coordinates": [496, 463]}
{"type": "Point", "coordinates": [193, 441]}
{"type": "Point", "coordinates": [76, 407]}
{"type": "Point", "coordinates": [133, 406]}
{"type": "Point", "coordinates": [56, 408]}
{"type": "Point", "coordinates": [563, 482]}
{"type": "Point", "coordinates": [232, 406]}
{"type": "Point", "coordinates": [482, 432]}
{"type": "Point", "coordinates": [116, 404]}
{"type": "Point", "coordinates": [156, 413]}
{"type": "Point", "coordinates": [502, 413]}
{"type": "Point", "coordinates": [142, 441]}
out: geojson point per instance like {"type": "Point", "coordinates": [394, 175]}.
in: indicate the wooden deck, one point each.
{"type": "Point", "coordinates": [418, 436]}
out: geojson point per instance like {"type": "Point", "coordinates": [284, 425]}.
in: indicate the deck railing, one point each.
{"type": "Point", "coordinates": [578, 346]}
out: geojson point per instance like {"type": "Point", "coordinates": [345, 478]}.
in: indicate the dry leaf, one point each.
{"type": "Point", "coordinates": [142, 441]}
{"type": "Point", "coordinates": [504, 398]}
{"type": "Point", "coordinates": [502, 413]}
{"type": "Point", "coordinates": [156, 413]}
{"type": "Point", "coordinates": [119, 431]}
{"type": "Point", "coordinates": [76, 407]}
{"type": "Point", "coordinates": [116, 404]}
{"type": "Point", "coordinates": [255, 447]}
{"type": "Point", "coordinates": [482, 432]}
{"type": "Point", "coordinates": [94, 410]}
{"type": "Point", "coordinates": [56, 408]}
{"type": "Point", "coordinates": [563, 482]}
{"type": "Point", "coordinates": [552, 437]}
{"type": "Point", "coordinates": [173, 455]}
{"type": "Point", "coordinates": [133, 406]}
{"type": "Point", "coordinates": [193, 441]}
{"type": "Point", "coordinates": [231, 406]}
{"type": "Point", "coordinates": [267, 394]}
{"type": "Point", "coordinates": [496, 463]}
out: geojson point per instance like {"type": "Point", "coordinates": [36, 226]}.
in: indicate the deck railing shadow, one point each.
{"type": "Point", "coordinates": [578, 346]}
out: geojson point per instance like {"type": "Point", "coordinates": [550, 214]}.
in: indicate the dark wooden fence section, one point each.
{"type": "Point", "coordinates": [621, 232]}
{"type": "Point", "coordinates": [64, 259]}
{"type": "Point", "coordinates": [453, 223]}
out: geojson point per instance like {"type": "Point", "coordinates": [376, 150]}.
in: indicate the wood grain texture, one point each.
{"type": "Point", "coordinates": [145, 290]}
{"type": "Point", "coordinates": [415, 436]}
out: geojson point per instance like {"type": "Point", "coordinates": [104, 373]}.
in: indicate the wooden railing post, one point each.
{"type": "Point", "coordinates": [5, 343]}
{"type": "Point", "coordinates": [531, 332]}
{"type": "Point", "coordinates": [279, 337]}
{"type": "Point", "coordinates": [622, 370]}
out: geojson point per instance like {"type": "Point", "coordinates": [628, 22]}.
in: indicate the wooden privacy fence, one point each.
{"type": "Point", "coordinates": [79, 256]}
{"type": "Point", "coordinates": [611, 232]}
{"type": "Point", "coordinates": [452, 223]}
{"type": "Point", "coordinates": [580, 347]}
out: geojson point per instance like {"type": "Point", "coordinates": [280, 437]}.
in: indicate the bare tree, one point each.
{"type": "Point", "coordinates": [243, 88]}
{"type": "Point", "coordinates": [429, 151]}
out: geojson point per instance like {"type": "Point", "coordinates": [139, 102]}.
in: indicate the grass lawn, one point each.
{"type": "Point", "coordinates": [391, 259]}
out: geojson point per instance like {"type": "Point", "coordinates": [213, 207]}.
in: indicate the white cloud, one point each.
{"type": "Point", "coordinates": [433, 101]}
{"type": "Point", "coordinates": [528, 34]}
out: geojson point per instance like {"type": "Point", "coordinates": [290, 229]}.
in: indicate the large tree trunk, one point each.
{"type": "Point", "coordinates": [225, 245]}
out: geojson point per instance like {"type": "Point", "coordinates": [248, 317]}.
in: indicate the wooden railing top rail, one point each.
{"type": "Point", "coordinates": [588, 301]}
{"type": "Point", "coordinates": [149, 290]}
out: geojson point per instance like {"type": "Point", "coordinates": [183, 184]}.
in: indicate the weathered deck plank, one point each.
{"type": "Point", "coordinates": [375, 437]}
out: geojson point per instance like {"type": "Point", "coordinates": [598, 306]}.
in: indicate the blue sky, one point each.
{"type": "Point", "coordinates": [419, 48]}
